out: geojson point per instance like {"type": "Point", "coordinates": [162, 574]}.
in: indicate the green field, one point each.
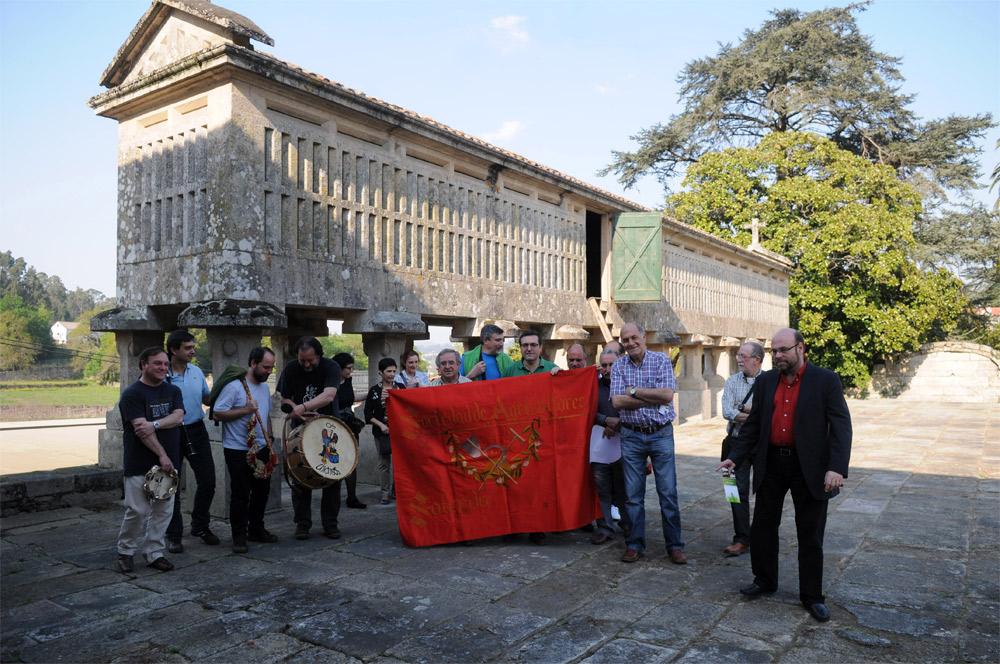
{"type": "Point", "coordinates": [59, 393]}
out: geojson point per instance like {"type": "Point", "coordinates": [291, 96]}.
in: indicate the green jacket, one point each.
{"type": "Point", "coordinates": [518, 369]}
{"type": "Point", "coordinates": [472, 358]}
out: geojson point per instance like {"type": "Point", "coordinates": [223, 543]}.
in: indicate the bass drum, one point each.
{"type": "Point", "coordinates": [320, 452]}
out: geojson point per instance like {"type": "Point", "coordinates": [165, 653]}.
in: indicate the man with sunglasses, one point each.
{"type": "Point", "coordinates": [801, 428]}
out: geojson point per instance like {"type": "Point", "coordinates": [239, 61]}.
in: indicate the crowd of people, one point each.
{"type": "Point", "coordinates": [789, 425]}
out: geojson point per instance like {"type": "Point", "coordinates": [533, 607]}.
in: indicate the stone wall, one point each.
{"type": "Point", "coordinates": [948, 371]}
{"type": "Point", "coordinates": [37, 373]}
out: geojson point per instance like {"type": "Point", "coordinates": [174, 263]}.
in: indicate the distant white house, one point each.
{"type": "Point", "coordinates": [60, 331]}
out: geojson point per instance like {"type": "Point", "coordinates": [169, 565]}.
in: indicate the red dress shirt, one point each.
{"type": "Point", "coordinates": [786, 397]}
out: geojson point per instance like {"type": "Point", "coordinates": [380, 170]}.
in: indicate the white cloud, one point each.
{"type": "Point", "coordinates": [508, 130]}
{"type": "Point", "coordinates": [510, 33]}
{"type": "Point", "coordinates": [603, 89]}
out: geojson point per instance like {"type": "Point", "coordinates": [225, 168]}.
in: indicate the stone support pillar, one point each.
{"type": "Point", "coordinates": [693, 396]}
{"type": "Point", "coordinates": [564, 336]}
{"type": "Point", "coordinates": [232, 329]}
{"type": "Point", "coordinates": [716, 363]}
{"type": "Point", "coordinates": [135, 329]}
{"type": "Point", "coordinates": [383, 334]}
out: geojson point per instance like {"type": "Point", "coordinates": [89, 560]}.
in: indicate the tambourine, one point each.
{"type": "Point", "coordinates": [160, 484]}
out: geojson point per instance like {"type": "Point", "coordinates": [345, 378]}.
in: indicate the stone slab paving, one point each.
{"type": "Point", "coordinates": [912, 574]}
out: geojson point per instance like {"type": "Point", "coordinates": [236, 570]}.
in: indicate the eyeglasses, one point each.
{"type": "Point", "coordinates": [741, 356]}
{"type": "Point", "coordinates": [775, 351]}
{"type": "Point", "coordinates": [530, 345]}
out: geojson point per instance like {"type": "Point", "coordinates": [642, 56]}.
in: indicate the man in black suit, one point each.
{"type": "Point", "coordinates": [801, 429]}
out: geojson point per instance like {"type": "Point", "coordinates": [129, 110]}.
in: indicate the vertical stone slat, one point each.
{"type": "Point", "coordinates": [303, 219]}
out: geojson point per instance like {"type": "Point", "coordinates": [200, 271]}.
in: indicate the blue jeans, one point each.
{"type": "Point", "coordinates": [610, 484]}
{"type": "Point", "coordinates": [659, 448]}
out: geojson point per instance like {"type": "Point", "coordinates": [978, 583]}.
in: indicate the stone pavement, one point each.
{"type": "Point", "coordinates": [912, 574]}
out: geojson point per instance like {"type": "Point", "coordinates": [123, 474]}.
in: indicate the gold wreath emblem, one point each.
{"type": "Point", "coordinates": [494, 463]}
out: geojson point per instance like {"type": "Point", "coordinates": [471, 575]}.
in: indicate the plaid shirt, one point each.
{"type": "Point", "coordinates": [655, 371]}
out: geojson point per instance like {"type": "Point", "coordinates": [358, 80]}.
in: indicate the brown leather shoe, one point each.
{"type": "Point", "coordinates": [678, 557]}
{"type": "Point", "coordinates": [736, 549]}
{"type": "Point", "coordinates": [600, 538]}
{"type": "Point", "coordinates": [630, 556]}
{"type": "Point", "coordinates": [161, 564]}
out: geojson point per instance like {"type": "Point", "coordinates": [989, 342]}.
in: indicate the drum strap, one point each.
{"type": "Point", "coordinates": [261, 469]}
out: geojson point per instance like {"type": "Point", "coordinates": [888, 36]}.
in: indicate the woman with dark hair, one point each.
{"type": "Point", "coordinates": [346, 398]}
{"type": "Point", "coordinates": [409, 375]}
{"type": "Point", "coordinates": [376, 415]}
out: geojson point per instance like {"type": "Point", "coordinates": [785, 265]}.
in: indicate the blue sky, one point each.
{"type": "Point", "coordinates": [561, 83]}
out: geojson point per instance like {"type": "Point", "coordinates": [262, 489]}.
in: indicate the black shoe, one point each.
{"type": "Point", "coordinates": [240, 545]}
{"type": "Point", "coordinates": [754, 590]}
{"type": "Point", "coordinates": [589, 528]}
{"type": "Point", "coordinates": [207, 536]}
{"type": "Point", "coordinates": [175, 546]}
{"type": "Point", "coordinates": [332, 532]}
{"type": "Point", "coordinates": [301, 532]}
{"type": "Point", "coordinates": [161, 564]}
{"type": "Point", "coordinates": [819, 611]}
{"type": "Point", "coordinates": [261, 536]}
{"type": "Point", "coordinates": [125, 563]}
{"type": "Point", "coordinates": [538, 539]}
{"type": "Point", "coordinates": [356, 504]}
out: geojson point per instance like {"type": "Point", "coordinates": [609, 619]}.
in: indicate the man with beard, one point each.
{"type": "Point", "coordinates": [248, 493]}
{"type": "Point", "coordinates": [801, 428]}
{"type": "Point", "coordinates": [309, 385]}
{"type": "Point", "coordinates": [486, 361]}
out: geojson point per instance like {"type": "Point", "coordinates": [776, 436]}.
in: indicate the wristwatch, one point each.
{"type": "Point", "coordinates": [156, 424]}
{"type": "Point", "coordinates": [631, 392]}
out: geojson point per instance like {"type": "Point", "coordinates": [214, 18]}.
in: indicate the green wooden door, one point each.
{"type": "Point", "coordinates": [637, 257]}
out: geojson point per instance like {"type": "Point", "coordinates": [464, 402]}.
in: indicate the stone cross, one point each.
{"type": "Point", "coordinates": [754, 227]}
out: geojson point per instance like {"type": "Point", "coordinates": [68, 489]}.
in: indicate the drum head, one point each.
{"type": "Point", "coordinates": [160, 484]}
{"type": "Point", "coordinates": [329, 448]}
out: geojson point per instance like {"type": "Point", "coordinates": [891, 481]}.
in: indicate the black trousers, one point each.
{"type": "Point", "coordinates": [352, 486]}
{"type": "Point", "coordinates": [196, 448]}
{"type": "Point", "coordinates": [741, 510]}
{"type": "Point", "coordinates": [783, 474]}
{"type": "Point", "coordinates": [329, 505]}
{"type": "Point", "coordinates": [248, 494]}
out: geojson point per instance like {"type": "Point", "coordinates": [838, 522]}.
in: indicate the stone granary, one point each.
{"type": "Point", "coordinates": [256, 198]}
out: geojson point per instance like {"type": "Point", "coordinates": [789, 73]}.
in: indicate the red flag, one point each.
{"type": "Point", "coordinates": [494, 457]}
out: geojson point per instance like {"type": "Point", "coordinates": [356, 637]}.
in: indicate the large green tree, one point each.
{"type": "Point", "coordinates": [846, 225]}
{"type": "Point", "coordinates": [24, 332]}
{"type": "Point", "coordinates": [814, 72]}
{"type": "Point", "coordinates": [345, 343]}
{"type": "Point", "coordinates": [37, 289]}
